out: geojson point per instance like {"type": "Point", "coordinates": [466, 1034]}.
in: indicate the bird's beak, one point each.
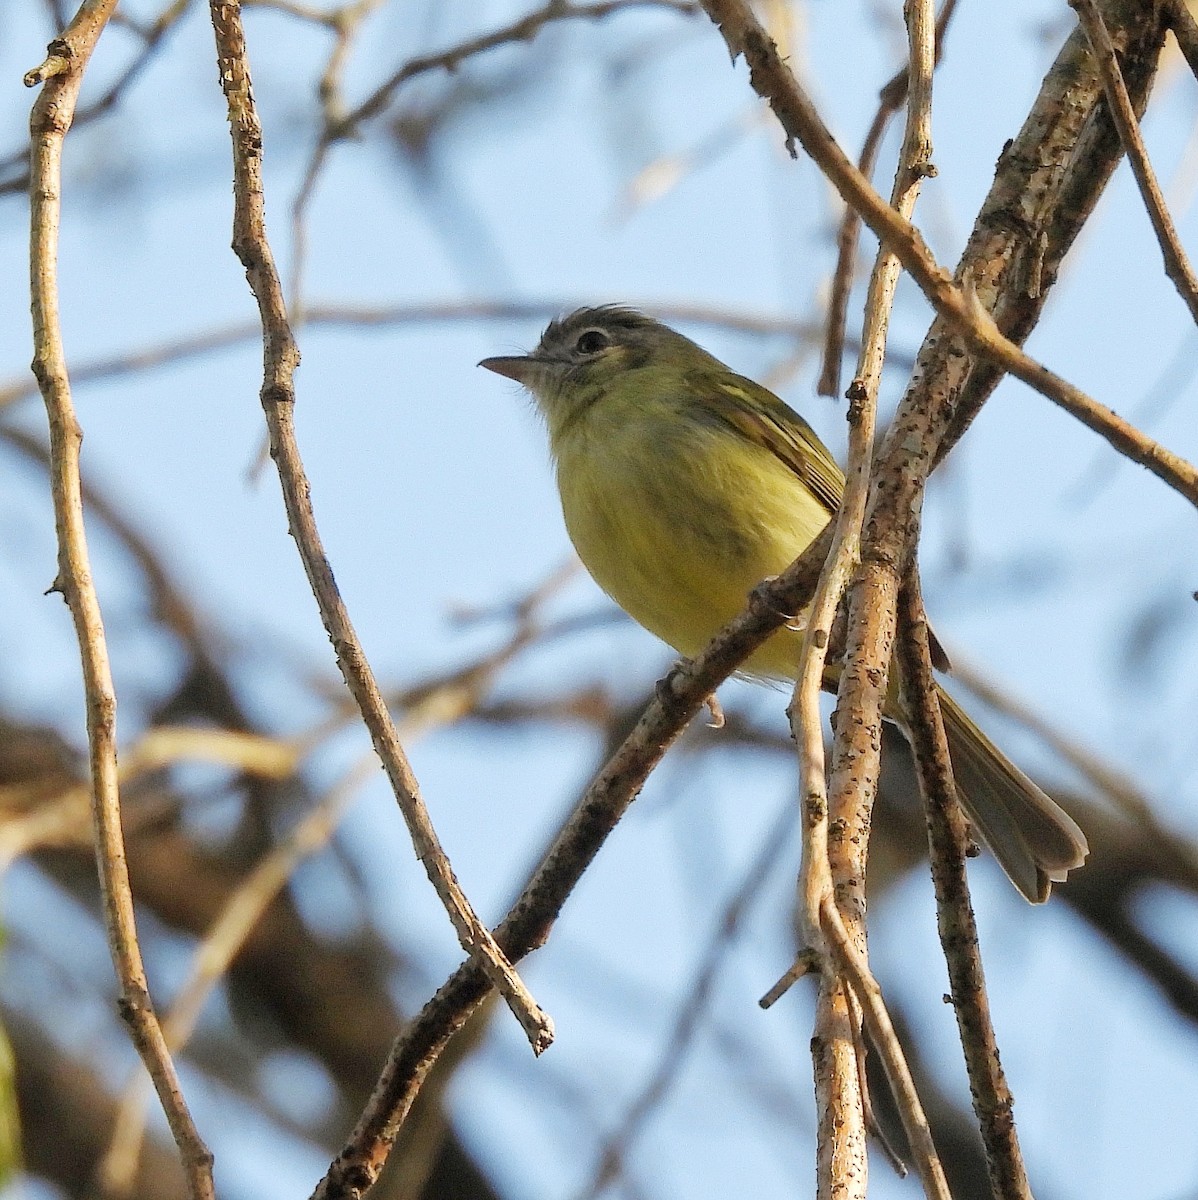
{"type": "Point", "coordinates": [515, 366]}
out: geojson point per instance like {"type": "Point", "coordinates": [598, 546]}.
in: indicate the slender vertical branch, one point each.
{"type": "Point", "coordinates": [947, 838]}
{"type": "Point", "coordinates": [278, 402]}
{"type": "Point", "coordinates": [890, 101]}
{"type": "Point", "coordinates": [61, 76]}
{"type": "Point", "coordinates": [836, 818]}
{"type": "Point", "coordinates": [853, 964]}
{"type": "Point", "coordinates": [1185, 29]}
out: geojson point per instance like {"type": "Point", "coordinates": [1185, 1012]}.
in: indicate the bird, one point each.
{"type": "Point", "coordinates": [684, 485]}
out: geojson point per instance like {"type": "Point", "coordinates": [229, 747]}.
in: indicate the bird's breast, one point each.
{"type": "Point", "coordinates": [677, 525]}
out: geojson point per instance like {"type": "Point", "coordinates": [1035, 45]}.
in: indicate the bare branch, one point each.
{"type": "Point", "coordinates": [62, 74]}
{"type": "Point", "coordinates": [890, 101]}
{"type": "Point", "coordinates": [837, 815]}
{"type": "Point", "coordinates": [278, 402]}
{"type": "Point", "coordinates": [1185, 29]}
{"type": "Point", "coordinates": [948, 842]}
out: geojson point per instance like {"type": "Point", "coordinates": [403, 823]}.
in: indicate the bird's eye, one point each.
{"type": "Point", "coordinates": [592, 342]}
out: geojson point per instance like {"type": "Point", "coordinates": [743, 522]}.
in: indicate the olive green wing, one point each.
{"type": "Point", "coordinates": [758, 415]}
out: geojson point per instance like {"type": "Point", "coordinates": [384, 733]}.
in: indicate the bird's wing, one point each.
{"type": "Point", "coordinates": [758, 415]}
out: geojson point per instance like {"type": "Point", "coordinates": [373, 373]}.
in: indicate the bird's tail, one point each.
{"type": "Point", "coordinates": [1034, 839]}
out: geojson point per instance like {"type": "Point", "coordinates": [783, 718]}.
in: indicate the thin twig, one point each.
{"type": "Point", "coordinates": [948, 842]}
{"type": "Point", "coordinates": [679, 697]}
{"type": "Point", "coordinates": [806, 721]}
{"type": "Point", "coordinates": [1177, 265]}
{"type": "Point", "coordinates": [885, 1041]}
{"type": "Point", "coordinates": [14, 168]}
{"type": "Point", "coordinates": [959, 306]}
{"type": "Point", "coordinates": [841, 1129]}
{"type": "Point", "coordinates": [890, 101]}
{"type": "Point", "coordinates": [805, 962]}
{"type": "Point", "coordinates": [62, 74]}
{"type": "Point", "coordinates": [861, 1050]}
{"type": "Point", "coordinates": [278, 402]}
